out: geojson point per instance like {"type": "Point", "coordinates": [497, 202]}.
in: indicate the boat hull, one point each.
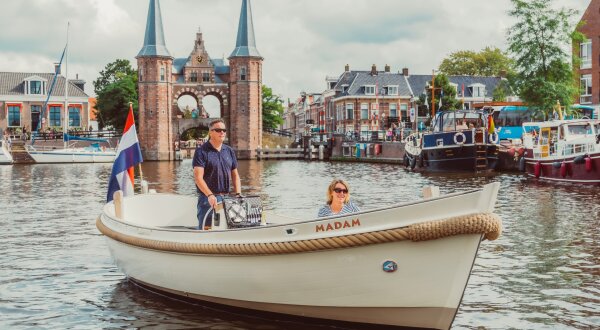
{"type": "Point", "coordinates": [470, 158]}
{"type": "Point", "coordinates": [72, 156]}
{"type": "Point", "coordinates": [5, 156]}
{"type": "Point", "coordinates": [550, 168]}
{"type": "Point", "coordinates": [343, 285]}
{"type": "Point", "coordinates": [378, 266]}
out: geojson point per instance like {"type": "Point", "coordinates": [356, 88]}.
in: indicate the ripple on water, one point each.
{"type": "Point", "coordinates": [542, 273]}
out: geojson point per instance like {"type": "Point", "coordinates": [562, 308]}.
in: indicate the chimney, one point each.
{"type": "Point", "coordinates": [387, 68]}
{"type": "Point", "coordinates": [502, 74]}
{"type": "Point", "coordinates": [57, 68]}
{"type": "Point", "coordinates": [405, 72]}
{"type": "Point", "coordinates": [347, 68]}
{"type": "Point", "coordinates": [374, 70]}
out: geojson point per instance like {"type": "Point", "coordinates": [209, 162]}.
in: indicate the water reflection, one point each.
{"type": "Point", "coordinates": [56, 271]}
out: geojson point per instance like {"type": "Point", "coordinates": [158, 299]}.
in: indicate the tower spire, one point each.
{"type": "Point", "coordinates": [154, 41]}
{"type": "Point", "coordinates": [245, 45]}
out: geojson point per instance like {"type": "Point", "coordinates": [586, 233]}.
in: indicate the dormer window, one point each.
{"type": "Point", "coordinates": [345, 88]}
{"type": "Point", "coordinates": [477, 90]}
{"type": "Point", "coordinates": [34, 85]}
{"type": "Point", "coordinates": [392, 90]}
{"type": "Point", "coordinates": [369, 90]}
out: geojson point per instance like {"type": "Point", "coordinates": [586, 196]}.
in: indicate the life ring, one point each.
{"type": "Point", "coordinates": [463, 140]}
{"type": "Point", "coordinates": [492, 139]}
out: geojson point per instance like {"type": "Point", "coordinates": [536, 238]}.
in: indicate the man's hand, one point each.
{"type": "Point", "coordinates": [212, 200]}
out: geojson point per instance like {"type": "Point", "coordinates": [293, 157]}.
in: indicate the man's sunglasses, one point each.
{"type": "Point", "coordinates": [219, 130]}
{"type": "Point", "coordinates": [340, 190]}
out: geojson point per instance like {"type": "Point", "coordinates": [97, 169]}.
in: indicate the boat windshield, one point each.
{"type": "Point", "coordinates": [457, 120]}
{"type": "Point", "coordinates": [581, 129]}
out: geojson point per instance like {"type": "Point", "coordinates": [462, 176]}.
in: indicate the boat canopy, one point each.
{"type": "Point", "coordinates": [460, 119]}
{"type": "Point", "coordinates": [67, 137]}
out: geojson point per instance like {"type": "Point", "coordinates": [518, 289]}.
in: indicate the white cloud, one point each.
{"type": "Point", "coordinates": [301, 41]}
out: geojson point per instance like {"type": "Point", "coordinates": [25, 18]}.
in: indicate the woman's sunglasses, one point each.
{"type": "Point", "coordinates": [340, 190]}
{"type": "Point", "coordinates": [219, 130]}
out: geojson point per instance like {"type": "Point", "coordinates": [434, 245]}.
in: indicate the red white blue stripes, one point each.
{"type": "Point", "coordinates": [129, 154]}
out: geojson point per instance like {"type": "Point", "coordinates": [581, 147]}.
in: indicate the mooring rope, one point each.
{"type": "Point", "coordinates": [488, 224]}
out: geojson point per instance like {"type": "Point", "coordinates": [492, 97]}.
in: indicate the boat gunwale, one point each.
{"type": "Point", "coordinates": [276, 225]}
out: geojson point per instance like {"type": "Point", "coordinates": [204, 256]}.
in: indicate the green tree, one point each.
{"type": "Point", "coordinates": [539, 42]}
{"type": "Point", "coordinates": [272, 108]}
{"type": "Point", "coordinates": [113, 72]}
{"type": "Point", "coordinates": [112, 103]}
{"type": "Point", "coordinates": [490, 61]}
{"type": "Point", "coordinates": [116, 86]}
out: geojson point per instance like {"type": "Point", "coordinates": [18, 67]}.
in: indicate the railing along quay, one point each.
{"type": "Point", "coordinates": [310, 153]}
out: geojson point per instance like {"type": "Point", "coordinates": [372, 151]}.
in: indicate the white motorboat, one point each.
{"type": "Point", "coordinates": [5, 155]}
{"type": "Point", "coordinates": [403, 265]}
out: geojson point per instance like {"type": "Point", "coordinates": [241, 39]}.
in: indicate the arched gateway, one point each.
{"type": "Point", "coordinates": [163, 79]}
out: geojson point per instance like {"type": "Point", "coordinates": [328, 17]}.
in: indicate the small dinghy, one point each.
{"type": "Point", "coordinates": [403, 265]}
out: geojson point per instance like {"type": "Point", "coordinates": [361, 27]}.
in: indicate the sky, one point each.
{"type": "Point", "coordinates": [302, 41]}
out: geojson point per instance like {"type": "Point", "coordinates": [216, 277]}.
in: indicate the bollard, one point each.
{"type": "Point", "coordinates": [321, 152]}
{"type": "Point", "coordinates": [310, 152]}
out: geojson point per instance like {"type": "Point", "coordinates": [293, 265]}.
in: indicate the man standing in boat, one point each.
{"type": "Point", "coordinates": [215, 170]}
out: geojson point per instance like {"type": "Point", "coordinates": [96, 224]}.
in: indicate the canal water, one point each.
{"type": "Point", "coordinates": [56, 271]}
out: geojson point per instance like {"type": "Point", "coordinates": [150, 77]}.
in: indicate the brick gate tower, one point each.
{"type": "Point", "coordinates": [163, 79]}
{"type": "Point", "coordinates": [245, 81]}
{"type": "Point", "coordinates": [155, 91]}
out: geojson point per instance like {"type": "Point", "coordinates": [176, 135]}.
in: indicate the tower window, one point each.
{"type": "Point", "coordinates": [141, 71]}
{"type": "Point", "coordinates": [243, 73]}
{"type": "Point", "coordinates": [162, 74]}
{"type": "Point", "coordinates": [194, 77]}
{"type": "Point", "coordinates": [205, 76]}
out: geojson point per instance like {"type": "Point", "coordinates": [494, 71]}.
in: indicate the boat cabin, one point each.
{"type": "Point", "coordinates": [562, 137]}
{"type": "Point", "coordinates": [449, 121]}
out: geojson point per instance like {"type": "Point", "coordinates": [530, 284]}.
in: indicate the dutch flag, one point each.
{"type": "Point", "coordinates": [129, 154]}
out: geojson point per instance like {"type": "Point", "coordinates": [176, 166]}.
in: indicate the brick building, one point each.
{"type": "Point", "coordinates": [359, 103]}
{"type": "Point", "coordinates": [163, 79]}
{"type": "Point", "coordinates": [589, 53]}
{"type": "Point", "coordinates": [23, 95]}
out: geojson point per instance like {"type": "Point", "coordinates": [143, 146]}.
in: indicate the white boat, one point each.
{"type": "Point", "coordinates": [70, 153]}
{"type": "Point", "coordinates": [5, 155]}
{"type": "Point", "coordinates": [402, 265]}
{"type": "Point", "coordinates": [90, 154]}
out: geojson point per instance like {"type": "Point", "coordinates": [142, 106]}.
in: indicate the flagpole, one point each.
{"type": "Point", "coordinates": [139, 164]}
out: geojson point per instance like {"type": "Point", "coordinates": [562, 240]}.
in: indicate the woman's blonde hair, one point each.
{"type": "Point", "coordinates": [332, 187]}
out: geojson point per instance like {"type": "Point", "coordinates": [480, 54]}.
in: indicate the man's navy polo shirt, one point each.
{"type": "Point", "coordinates": [217, 166]}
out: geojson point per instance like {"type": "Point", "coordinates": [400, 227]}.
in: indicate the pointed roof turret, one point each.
{"type": "Point", "coordinates": [245, 45]}
{"type": "Point", "coordinates": [154, 41]}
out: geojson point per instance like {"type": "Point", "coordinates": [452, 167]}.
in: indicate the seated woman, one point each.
{"type": "Point", "coordinates": [338, 200]}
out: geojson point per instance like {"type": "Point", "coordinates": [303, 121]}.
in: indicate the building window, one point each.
{"type": "Point", "coordinates": [364, 111]}
{"type": "Point", "coordinates": [162, 74]}
{"type": "Point", "coordinates": [349, 111]}
{"type": "Point", "coordinates": [404, 110]}
{"type": "Point", "coordinates": [369, 90]}
{"type": "Point", "coordinates": [585, 53]}
{"type": "Point", "coordinates": [74, 117]}
{"type": "Point", "coordinates": [35, 87]}
{"type": "Point", "coordinates": [194, 77]}
{"type": "Point", "coordinates": [392, 90]}
{"type": "Point", "coordinates": [586, 89]}
{"type": "Point", "coordinates": [477, 90]}
{"type": "Point", "coordinates": [394, 109]}
{"type": "Point", "coordinates": [54, 114]}
{"type": "Point", "coordinates": [205, 76]}
{"type": "Point", "coordinates": [14, 115]}
{"type": "Point", "coordinates": [140, 71]}
{"type": "Point", "coordinates": [242, 74]}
